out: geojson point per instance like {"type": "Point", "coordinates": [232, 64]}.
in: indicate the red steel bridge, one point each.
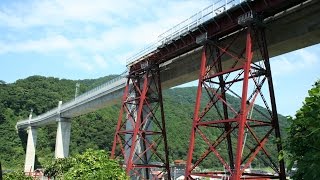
{"type": "Point", "coordinates": [231, 54]}
{"type": "Point", "coordinates": [226, 47]}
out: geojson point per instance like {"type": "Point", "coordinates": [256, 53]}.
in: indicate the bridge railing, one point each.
{"type": "Point", "coordinates": [45, 115]}
{"type": "Point", "coordinates": [92, 92]}
{"type": "Point", "coordinates": [77, 100]}
{"type": "Point", "coordinates": [186, 26]}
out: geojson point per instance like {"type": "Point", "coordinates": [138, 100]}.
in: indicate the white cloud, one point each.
{"type": "Point", "coordinates": [85, 62]}
{"type": "Point", "coordinates": [76, 60]}
{"type": "Point", "coordinates": [60, 12]}
{"type": "Point", "coordinates": [122, 58]}
{"type": "Point", "coordinates": [44, 45]}
{"type": "Point", "coordinates": [100, 61]}
{"type": "Point", "coordinates": [309, 57]}
{"type": "Point", "coordinates": [85, 31]}
{"type": "Point", "coordinates": [294, 62]}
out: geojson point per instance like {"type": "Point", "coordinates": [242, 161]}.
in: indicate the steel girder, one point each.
{"type": "Point", "coordinates": [141, 132]}
{"type": "Point", "coordinates": [219, 26]}
{"type": "Point", "coordinates": [243, 129]}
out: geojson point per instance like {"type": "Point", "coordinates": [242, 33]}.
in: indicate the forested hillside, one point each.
{"type": "Point", "coordinates": [94, 130]}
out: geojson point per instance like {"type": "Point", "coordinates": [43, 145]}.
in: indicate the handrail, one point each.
{"type": "Point", "coordinates": [78, 99]}
{"type": "Point", "coordinates": [90, 93]}
{"type": "Point", "coordinates": [185, 27]}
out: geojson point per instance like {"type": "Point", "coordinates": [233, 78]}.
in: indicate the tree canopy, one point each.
{"type": "Point", "coordinates": [303, 143]}
{"type": "Point", "coordinates": [16, 175]}
{"type": "Point", "coordinates": [92, 164]}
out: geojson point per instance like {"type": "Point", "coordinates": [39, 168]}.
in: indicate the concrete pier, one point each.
{"type": "Point", "coordinates": [63, 138]}
{"type": "Point", "coordinates": [31, 149]}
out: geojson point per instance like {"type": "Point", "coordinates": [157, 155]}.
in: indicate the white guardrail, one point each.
{"type": "Point", "coordinates": [74, 102]}
{"type": "Point", "coordinates": [92, 92]}
{"type": "Point", "coordinates": [185, 27]}
{"type": "Point", "coordinates": [174, 33]}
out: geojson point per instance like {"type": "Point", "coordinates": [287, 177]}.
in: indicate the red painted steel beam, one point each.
{"type": "Point", "coordinates": [139, 131]}
{"type": "Point", "coordinates": [243, 111]}
{"type": "Point", "coordinates": [118, 128]}
{"type": "Point", "coordinates": [137, 126]}
{"type": "Point", "coordinates": [239, 121]}
{"type": "Point", "coordinates": [196, 111]}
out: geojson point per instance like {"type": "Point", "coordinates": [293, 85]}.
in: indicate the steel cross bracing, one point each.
{"type": "Point", "coordinates": [248, 134]}
{"type": "Point", "coordinates": [141, 131]}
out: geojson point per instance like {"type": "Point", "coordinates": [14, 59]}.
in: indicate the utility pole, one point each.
{"type": "Point", "coordinates": [0, 171]}
{"type": "Point", "coordinates": [30, 115]}
{"type": "Point", "coordinates": [77, 90]}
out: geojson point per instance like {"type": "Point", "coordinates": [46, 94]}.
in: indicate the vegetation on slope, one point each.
{"type": "Point", "coordinates": [92, 164]}
{"type": "Point", "coordinates": [94, 130]}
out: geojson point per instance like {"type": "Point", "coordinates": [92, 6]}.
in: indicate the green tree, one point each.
{"type": "Point", "coordinates": [303, 142]}
{"type": "Point", "coordinates": [92, 164]}
{"type": "Point", "coordinates": [16, 175]}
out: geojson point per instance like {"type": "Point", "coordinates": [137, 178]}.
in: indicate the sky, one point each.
{"type": "Point", "coordinates": [82, 39]}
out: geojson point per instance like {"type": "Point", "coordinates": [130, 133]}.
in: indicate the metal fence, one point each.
{"type": "Point", "coordinates": [185, 27]}
{"type": "Point", "coordinates": [76, 101]}
{"type": "Point", "coordinates": [92, 92]}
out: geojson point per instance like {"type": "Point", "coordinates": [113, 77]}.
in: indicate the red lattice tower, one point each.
{"type": "Point", "coordinates": [240, 68]}
{"type": "Point", "coordinates": [141, 131]}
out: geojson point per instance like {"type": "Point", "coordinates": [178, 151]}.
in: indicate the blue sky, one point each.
{"type": "Point", "coordinates": [78, 39]}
